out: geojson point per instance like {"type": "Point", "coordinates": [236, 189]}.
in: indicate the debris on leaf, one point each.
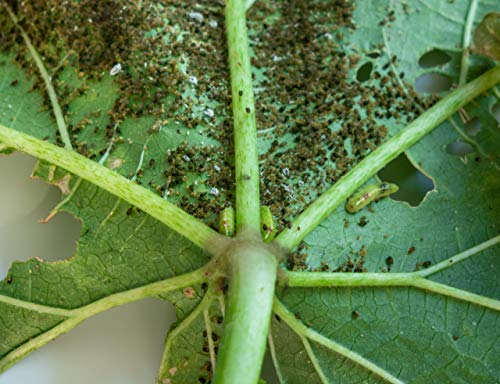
{"type": "Point", "coordinates": [487, 37]}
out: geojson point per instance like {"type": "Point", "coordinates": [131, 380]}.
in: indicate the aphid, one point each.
{"type": "Point", "coordinates": [368, 194]}
{"type": "Point", "coordinates": [196, 16]}
{"type": "Point", "coordinates": [117, 68]}
{"type": "Point", "coordinates": [267, 228]}
{"type": "Point", "coordinates": [226, 222]}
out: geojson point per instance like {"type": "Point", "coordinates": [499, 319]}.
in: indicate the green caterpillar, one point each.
{"type": "Point", "coordinates": [368, 194]}
{"type": "Point", "coordinates": [267, 229]}
{"type": "Point", "coordinates": [226, 222]}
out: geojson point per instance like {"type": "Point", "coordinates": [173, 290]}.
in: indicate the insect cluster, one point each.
{"type": "Point", "coordinates": [316, 120]}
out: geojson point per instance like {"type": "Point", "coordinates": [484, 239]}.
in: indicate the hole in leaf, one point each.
{"type": "Point", "coordinates": [473, 126]}
{"type": "Point", "coordinates": [130, 335]}
{"type": "Point", "coordinates": [413, 184]}
{"type": "Point", "coordinates": [432, 83]}
{"type": "Point", "coordinates": [374, 55]}
{"type": "Point", "coordinates": [459, 148]}
{"type": "Point", "coordinates": [495, 111]}
{"type": "Point", "coordinates": [24, 202]}
{"type": "Point", "coordinates": [433, 58]}
{"type": "Point", "coordinates": [364, 72]}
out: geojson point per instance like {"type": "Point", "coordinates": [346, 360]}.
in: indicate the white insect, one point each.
{"type": "Point", "coordinates": [117, 68]}
{"type": "Point", "coordinates": [214, 191]}
{"type": "Point", "coordinates": [196, 16]}
{"type": "Point", "coordinates": [209, 112]}
{"type": "Point", "coordinates": [213, 23]}
{"type": "Point", "coordinates": [193, 80]}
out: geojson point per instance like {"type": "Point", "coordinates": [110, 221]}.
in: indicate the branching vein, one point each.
{"type": "Point", "coordinates": [76, 316]}
{"type": "Point", "coordinates": [370, 165]}
{"type": "Point", "coordinates": [464, 65]}
{"type": "Point", "coordinates": [412, 279]}
{"type": "Point", "coordinates": [61, 124]}
{"type": "Point", "coordinates": [459, 257]}
{"type": "Point", "coordinates": [311, 334]}
{"type": "Point", "coordinates": [314, 360]}
{"type": "Point", "coordinates": [181, 327]}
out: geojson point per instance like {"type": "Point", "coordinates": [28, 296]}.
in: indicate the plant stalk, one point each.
{"type": "Point", "coordinates": [149, 202]}
{"type": "Point", "coordinates": [245, 131]}
{"type": "Point", "coordinates": [412, 279]}
{"type": "Point", "coordinates": [252, 275]}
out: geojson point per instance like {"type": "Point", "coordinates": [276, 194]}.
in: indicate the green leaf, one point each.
{"type": "Point", "coordinates": [318, 119]}
{"type": "Point", "coordinates": [409, 334]}
{"type": "Point", "coordinates": [120, 248]}
{"type": "Point", "coordinates": [143, 89]}
{"type": "Point", "coordinates": [193, 338]}
{"type": "Point", "coordinates": [413, 336]}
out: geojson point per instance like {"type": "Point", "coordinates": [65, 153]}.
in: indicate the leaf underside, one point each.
{"type": "Point", "coordinates": [165, 122]}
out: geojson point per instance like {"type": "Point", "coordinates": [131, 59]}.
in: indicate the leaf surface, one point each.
{"type": "Point", "coordinates": [143, 88]}
{"type": "Point", "coordinates": [411, 335]}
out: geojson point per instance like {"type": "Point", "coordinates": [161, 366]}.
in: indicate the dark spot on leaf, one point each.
{"type": "Point", "coordinates": [411, 250]}
{"type": "Point", "coordinates": [364, 72]}
{"type": "Point", "coordinates": [363, 221]}
{"type": "Point", "coordinates": [374, 55]}
{"type": "Point", "coordinates": [355, 314]}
